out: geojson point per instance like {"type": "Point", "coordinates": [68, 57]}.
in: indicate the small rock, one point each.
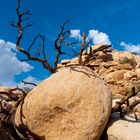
{"type": "Point", "coordinates": [95, 47]}
{"type": "Point", "coordinates": [126, 129]}
{"type": "Point", "coordinates": [65, 61]}
{"type": "Point", "coordinates": [116, 76]}
{"type": "Point", "coordinates": [137, 71]}
{"type": "Point", "coordinates": [129, 75]}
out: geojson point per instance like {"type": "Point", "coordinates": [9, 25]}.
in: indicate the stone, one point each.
{"type": "Point", "coordinates": [138, 108]}
{"type": "Point", "coordinates": [109, 64]}
{"type": "Point", "coordinates": [60, 65]}
{"type": "Point", "coordinates": [72, 104]}
{"type": "Point", "coordinates": [74, 60]}
{"type": "Point", "coordinates": [137, 71]}
{"type": "Point", "coordinates": [117, 96]}
{"type": "Point", "coordinates": [122, 129]}
{"type": "Point", "coordinates": [84, 53]}
{"type": "Point", "coordinates": [114, 101]}
{"type": "Point", "coordinates": [137, 58]}
{"type": "Point", "coordinates": [103, 56]}
{"type": "Point", "coordinates": [117, 56]}
{"type": "Point", "coordinates": [71, 64]}
{"type": "Point", "coordinates": [133, 100]}
{"type": "Point", "coordinates": [65, 61]}
{"type": "Point", "coordinates": [129, 75]}
{"type": "Point", "coordinates": [97, 46]}
{"type": "Point", "coordinates": [125, 66]}
{"type": "Point", "coordinates": [115, 76]}
{"type": "Point", "coordinates": [4, 88]}
{"type": "Point", "coordinates": [102, 71]}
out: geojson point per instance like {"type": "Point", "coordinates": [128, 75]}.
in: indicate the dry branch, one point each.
{"type": "Point", "coordinates": [117, 107]}
{"type": "Point", "coordinates": [82, 49]}
{"type": "Point", "coordinates": [29, 83]}
{"type": "Point", "coordinates": [84, 45]}
{"type": "Point", "coordinates": [59, 41]}
{"type": "Point", "coordinates": [92, 52]}
{"type": "Point", "coordinates": [128, 108]}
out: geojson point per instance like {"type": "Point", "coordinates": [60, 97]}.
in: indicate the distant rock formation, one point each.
{"type": "Point", "coordinates": [121, 70]}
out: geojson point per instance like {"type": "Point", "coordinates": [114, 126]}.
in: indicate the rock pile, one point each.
{"type": "Point", "coordinates": [121, 70]}
{"type": "Point", "coordinates": [9, 100]}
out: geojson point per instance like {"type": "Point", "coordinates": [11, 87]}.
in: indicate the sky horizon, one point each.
{"type": "Point", "coordinates": [104, 21]}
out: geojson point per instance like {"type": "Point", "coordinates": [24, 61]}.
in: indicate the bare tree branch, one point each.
{"type": "Point", "coordinates": [84, 45]}
{"type": "Point", "coordinates": [59, 41]}
{"type": "Point", "coordinates": [117, 107]}
{"type": "Point", "coordinates": [18, 25]}
{"type": "Point", "coordinates": [82, 49]}
{"type": "Point", "coordinates": [128, 108]}
{"type": "Point", "coordinates": [92, 52]}
{"type": "Point", "coordinates": [29, 83]}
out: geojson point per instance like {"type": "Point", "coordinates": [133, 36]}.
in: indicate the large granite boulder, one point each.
{"type": "Point", "coordinates": [72, 104]}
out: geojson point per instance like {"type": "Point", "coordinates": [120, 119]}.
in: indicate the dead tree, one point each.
{"type": "Point", "coordinates": [92, 52]}
{"type": "Point", "coordinates": [58, 43]}
{"type": "Point", "coordinates": [84, 45]}
{"type": "Point", "coordinates": [40, 53]}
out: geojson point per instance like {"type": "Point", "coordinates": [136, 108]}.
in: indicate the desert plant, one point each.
{"type": "Point", "coordinates": [125, 60]}
{"type": "Point", "coordinates": [138, 89]}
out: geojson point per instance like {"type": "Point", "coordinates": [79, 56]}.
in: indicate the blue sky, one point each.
{"type": "Point", "coordinates": [118, 19]}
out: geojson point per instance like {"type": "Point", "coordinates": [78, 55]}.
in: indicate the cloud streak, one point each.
{"type": "Point", "coordinates": [75, 34]}
{"type": "Point", "coordinates": [130, 47]}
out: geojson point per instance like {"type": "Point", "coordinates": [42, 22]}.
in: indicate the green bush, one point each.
{"type": "Point", "coordinates": [138, 89]}
{"type": "Point", "coordinates": [128, 60]}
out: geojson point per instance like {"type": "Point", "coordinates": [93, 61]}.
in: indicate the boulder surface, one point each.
{"type": "Point", "coordinates": [72, 104]}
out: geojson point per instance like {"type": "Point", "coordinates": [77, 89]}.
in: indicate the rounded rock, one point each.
{"type": "Point", "coordinates": [72, 104]}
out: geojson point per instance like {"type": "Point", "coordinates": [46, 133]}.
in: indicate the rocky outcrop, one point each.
{"type": "Point", "coordinates": [121, 70]}
{"type": "Point", "coordinates": [72, 104]}
{"type": "Point", "coordinates": [117, 56]}
{"type": "Point", "coordinates": [9, 98]}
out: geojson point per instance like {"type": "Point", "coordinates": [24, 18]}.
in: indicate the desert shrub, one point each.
{"type": "Point", "coordinates": [138, 89]}
{"type": "Point", "coordinates": [128, 60]}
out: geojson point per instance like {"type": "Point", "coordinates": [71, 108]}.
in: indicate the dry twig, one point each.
{"type": "Point", "coordinates": [129, 108]}
{"type": "Point", "coordinates": [29, 83]}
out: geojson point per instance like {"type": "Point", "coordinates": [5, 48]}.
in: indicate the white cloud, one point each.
{"type": "Point", "coordinates": [98, 37]}
{"type": "Point", "coordinates": [10, 66]}
{"type": "Point", "coordinates": [29, 79]}
{"type": "Point", "coordinates": [131, 47]}
{"type": "Point", "coordinates": [75, 34]}
{"type": "Point", "coordinates": [94, 35]}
